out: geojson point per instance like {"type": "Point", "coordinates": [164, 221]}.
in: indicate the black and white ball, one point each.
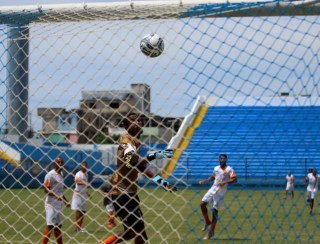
{"type": "Point", "coordinates": [152, 45]}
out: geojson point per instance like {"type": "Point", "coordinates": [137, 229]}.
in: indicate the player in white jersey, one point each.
{"type": "Point", "coordinates": [312, 188]}
{"type": "Point", "coordinates": [222, 176]}
{"type": "Point", "coordinates": [80, 196]}
{"type": "Point", "coordinates": [290, 184]}
{"type": "Point", "coordinates": [54, 188]}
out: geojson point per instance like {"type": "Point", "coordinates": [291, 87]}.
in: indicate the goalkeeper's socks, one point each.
{"type": "Point", "coordinates": [109, 240]}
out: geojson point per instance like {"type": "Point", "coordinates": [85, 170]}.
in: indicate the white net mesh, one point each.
{"type": "Point", "coordinates": [70, 75]}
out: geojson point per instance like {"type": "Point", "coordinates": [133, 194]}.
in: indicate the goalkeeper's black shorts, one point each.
{"type": "Point", "coordinates": [127, 208]}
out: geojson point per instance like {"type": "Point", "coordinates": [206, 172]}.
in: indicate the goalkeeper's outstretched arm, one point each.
{"type": "Point", "coordinates": [167, 153]}
{"type": "Point", "coordinates": [160, 181]}
{"type": "Point", "coordinates": [144, 164]}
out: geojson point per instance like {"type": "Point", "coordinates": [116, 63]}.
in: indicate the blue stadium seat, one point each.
{"type": "Point", "coordinates": [261, 141]}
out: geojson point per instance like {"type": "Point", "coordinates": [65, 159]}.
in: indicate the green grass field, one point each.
{"type": "Point", "coordinates": [248, 215]}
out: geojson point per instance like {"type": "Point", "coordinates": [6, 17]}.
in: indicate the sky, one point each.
{"type": "Point", "coordinates": [222, 57]}
{"type": "Point", "coordinates": [36, 2]}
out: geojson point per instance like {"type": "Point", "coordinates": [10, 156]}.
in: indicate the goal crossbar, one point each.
{"type": "Point", "coordinates": [23, 15]}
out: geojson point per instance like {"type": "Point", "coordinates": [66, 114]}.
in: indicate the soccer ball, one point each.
{"type": "Point", "coordinates": [152, 45]}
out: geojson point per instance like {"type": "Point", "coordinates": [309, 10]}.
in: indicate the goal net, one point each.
{"type": "Point", "coordinates": [240, 78]}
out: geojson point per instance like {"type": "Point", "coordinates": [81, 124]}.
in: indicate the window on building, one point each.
{"type": "Point", "coordinates": [91, 105]}
{"type": "Point", "coordinates": [114, 105]}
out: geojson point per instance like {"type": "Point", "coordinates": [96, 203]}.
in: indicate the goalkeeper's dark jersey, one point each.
{"type": "Point", "coordinates": [125, 178]}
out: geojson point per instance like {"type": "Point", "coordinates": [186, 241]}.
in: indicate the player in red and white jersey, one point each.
{"type": "Point", "coordinates": [80, 196]}
{"type": "Point", "coordinates": [54, 188]}
{"type": "Point", "coordinates": [312, 188]}
{"type": "Point", "coordinates": [222, 176]}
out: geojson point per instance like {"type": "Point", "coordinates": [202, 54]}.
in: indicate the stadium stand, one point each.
{"type": "Point", "coordinates": [36, 162]}
{"type": "Point", "coordinates": [263, 142]}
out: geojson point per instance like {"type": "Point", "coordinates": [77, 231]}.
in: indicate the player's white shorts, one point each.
{"type": "Point", "coordinates": [289, 188]}
{"type": "Point", "coordinates": [110, 207]}
{"type": "Point", "coordinates": [54, 215]}
{"type": "Point", "coordinates": [312, 194]}
{"type": "Point", "coordinates": [215, 198]}
{"type": "Point", "coordinates": [79, 202]}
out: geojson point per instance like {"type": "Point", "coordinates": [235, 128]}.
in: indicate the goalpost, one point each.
{"type": "Point", "coordinates": [70, 73]}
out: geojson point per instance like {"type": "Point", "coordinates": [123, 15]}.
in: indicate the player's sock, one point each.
{"type": "Point", "coordinates": [58, 235]}
{"type": "Point", "coordinates": [112, 220]}
{"type": "Point", "coordinates": [109, 240]}
{"type": "Point", "coordinates": [311, 205]}
{"type": "Point", "coordinates": [213, 227]}
{"type": "Point", "coordinates": [207, 220]}
{"type": "Point", "coordinates": [109, 218]}
{"type": "Point", "coordinates": [111, 223]}
{"type": "Point", "coordinates": [78, 225]}
{"type": "Point", "coordinates": [46, 236]}
{"type": "Point", "coordinates": [208, 236]}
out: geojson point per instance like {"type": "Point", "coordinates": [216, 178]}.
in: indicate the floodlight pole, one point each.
{"type": "Point", "coordinates": [18, 82]}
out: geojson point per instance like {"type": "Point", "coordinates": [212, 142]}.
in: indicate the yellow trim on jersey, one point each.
{"type": "Point", "coordinates": [185, 140]}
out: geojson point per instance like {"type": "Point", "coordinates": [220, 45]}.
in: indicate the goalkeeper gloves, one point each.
{"type": "Point", "coordinates": [167, 153]}
{"type": "Point", "coordinates": [164, 183]}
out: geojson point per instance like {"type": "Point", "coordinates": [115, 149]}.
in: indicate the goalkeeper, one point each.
{"type": "Point", "coordinates": [124, 192]}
